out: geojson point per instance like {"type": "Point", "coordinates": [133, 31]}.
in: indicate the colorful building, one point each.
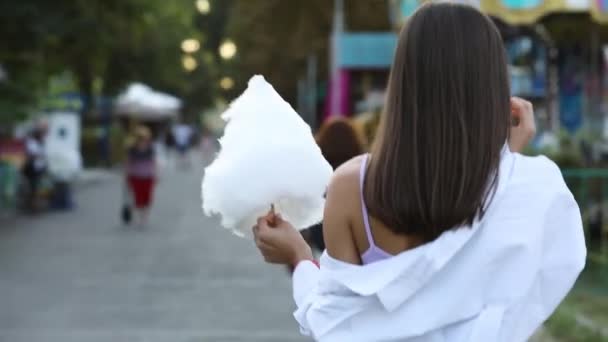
{"type": "Point", "coordinates": [555, 51]}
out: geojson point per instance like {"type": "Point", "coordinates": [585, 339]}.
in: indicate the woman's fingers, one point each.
{"type": "Point", "coordinates": [278, 243]}
{"type": "Point", "coordinates": [278, 220]}
{"type": "Point", "coordinates": [524, 127]}
{"type": "Point", "coordinates": [272, 221]}
{"type": "Point", "coordinates": [269, 252]}
{"type": "Point", "coordinates": [521, 108]}
{"type": "Point", "coordinates": [262, 242]}
{"type": "Point", "coordinates": [263, 236]}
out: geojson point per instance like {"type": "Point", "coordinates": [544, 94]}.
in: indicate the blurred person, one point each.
{"type": "Point", "coordinates": [182, 135]}
{"type": "Point", "coordinates": [444, 232]}
{"type": "Point", "coordinates": [339, 142]}
{"type": "Point", "coordinates": [207, 145]}
{"type": "Point", "coordinates": [141, 173]}
{"type": "Point", "coordinates": [169, 141]}
{"type": "Point", "coordinates": [35, 165]}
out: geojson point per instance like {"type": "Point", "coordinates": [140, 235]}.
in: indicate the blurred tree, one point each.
{"type": "Point", "coordinates": [22, 60]}
{"type": "Point", "coordinates": [205, 81]}
{"type": "Point", "coordinates": [275, 37]}
{"type": "Point", "coordinates": [113, 42]}
{"type": "Point", "coordinates": [106, 42]}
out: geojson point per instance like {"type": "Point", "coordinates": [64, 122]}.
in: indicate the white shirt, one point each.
{"type": "Point", "coordinates": [35, 150]}
{"type": "Point", "coordinates": [498, 280]}
{"type": "Point", "coordinates": [182, 134]}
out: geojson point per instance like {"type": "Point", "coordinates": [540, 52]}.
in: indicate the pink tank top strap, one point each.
{"type": "Point", "coordinates": [364, 211]}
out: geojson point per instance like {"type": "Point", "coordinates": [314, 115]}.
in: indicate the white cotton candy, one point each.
{"type": "Point", "coordinates": [268, 157]}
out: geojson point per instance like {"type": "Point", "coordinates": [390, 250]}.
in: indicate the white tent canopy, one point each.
{"type": "Point", "coordinates": [142, 102]}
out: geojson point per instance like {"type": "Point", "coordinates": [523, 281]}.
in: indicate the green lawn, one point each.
{"type": "Point", "coordinates": [583, 316]}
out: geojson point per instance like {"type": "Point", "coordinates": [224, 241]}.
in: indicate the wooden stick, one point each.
{"type": "Point", "coordinates": [272, 216]}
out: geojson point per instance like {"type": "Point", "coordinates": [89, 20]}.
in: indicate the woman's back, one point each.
{"type": "Point", "coordinates": [369, 235]}
{"type": "Point", "coordinates": [434, 164]}
{"type": "Point", "coordinates": [496, 280]}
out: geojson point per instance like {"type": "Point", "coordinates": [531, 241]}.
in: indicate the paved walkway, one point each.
{"type": "Point", "coordinates": [83, 277]}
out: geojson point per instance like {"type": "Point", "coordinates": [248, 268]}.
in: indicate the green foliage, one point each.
{"type": "Point", "coordinates": [565, 326]}
{"type": "Point", "coordinates": [568, 158]}
{"type": "Point", "coordinates": [278, 36]}
{"type": "Point", "coordinates": [567, 155]}
{"type": "Point", "coordinates": [104, 44]}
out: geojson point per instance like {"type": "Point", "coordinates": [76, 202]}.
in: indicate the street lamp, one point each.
{"type": "Point", "coordinates": [203, 6]}
{"type": "Point", "coordinates": [190, 45]}
{"type": "Point", "coordinates": [227, 49]}
{"type": "Point", "coordinates": [226, 83]}
{"type": "Point", "coordinates": [189, 63]}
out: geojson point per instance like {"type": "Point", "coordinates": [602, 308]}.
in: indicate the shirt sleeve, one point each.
{"type": "Point", "coordinates": [32, 147]}
{"type": "Point", "coordinates": [563, 258]}
{"type": "Point", "coordinates": [305, 281]}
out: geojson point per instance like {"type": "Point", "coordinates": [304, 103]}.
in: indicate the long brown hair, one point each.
{"type": "Point", "coordinates": [434, 165]}
{"type": "Point", "coordinates": [338, 141]}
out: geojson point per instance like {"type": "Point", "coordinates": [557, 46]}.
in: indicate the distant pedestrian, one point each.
{"type": "Point", "coordinates": [182, 135]}
{"type": "Point", "coordinates": [141, 172]}
{"type": "Point", "coordinates": [207, 145]}
{"type": "Point", "coordinates": [339, 143]}
{"type": "Point", "coordinates": [35, 165]}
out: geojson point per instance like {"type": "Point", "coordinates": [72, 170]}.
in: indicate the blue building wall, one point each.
{"type": "Point", "coordinates": [367, 50]}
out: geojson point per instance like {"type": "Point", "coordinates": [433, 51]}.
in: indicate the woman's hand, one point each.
{"type": "Point", "coordinates": [524, 127]}
{"type": "Point", "coordinates": [279, 242]}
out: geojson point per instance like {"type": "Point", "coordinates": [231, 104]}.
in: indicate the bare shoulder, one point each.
{"type": "Point", "coordinates": [342, 201]}
{"type": "Point", "coordinates": [343, 193]}
{"type": "Point", "coordinates": [345, 179]}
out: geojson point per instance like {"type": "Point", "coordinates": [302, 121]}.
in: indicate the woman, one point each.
{"type": "Point", "coordinates": [35, 165]}
{"type": "Point", "coordinates": [443, 232]}
{"type": "Point", "coordinates": [339, 143]}
{"type": "Point", "coordinates": [141, 172]}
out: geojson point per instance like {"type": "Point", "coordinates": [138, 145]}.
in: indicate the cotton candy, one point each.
{"type": "Point", "coordinates": [268, 156]}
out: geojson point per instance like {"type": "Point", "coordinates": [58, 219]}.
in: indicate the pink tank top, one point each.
{"type": "Point", "coordinates": [373, 253]}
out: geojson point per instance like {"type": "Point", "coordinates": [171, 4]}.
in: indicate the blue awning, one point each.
{"type": "Point", "coordinates": [368, 50]}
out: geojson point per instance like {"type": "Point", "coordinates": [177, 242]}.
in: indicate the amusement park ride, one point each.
{"type": "Point", "coordinates": [555, 47]}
